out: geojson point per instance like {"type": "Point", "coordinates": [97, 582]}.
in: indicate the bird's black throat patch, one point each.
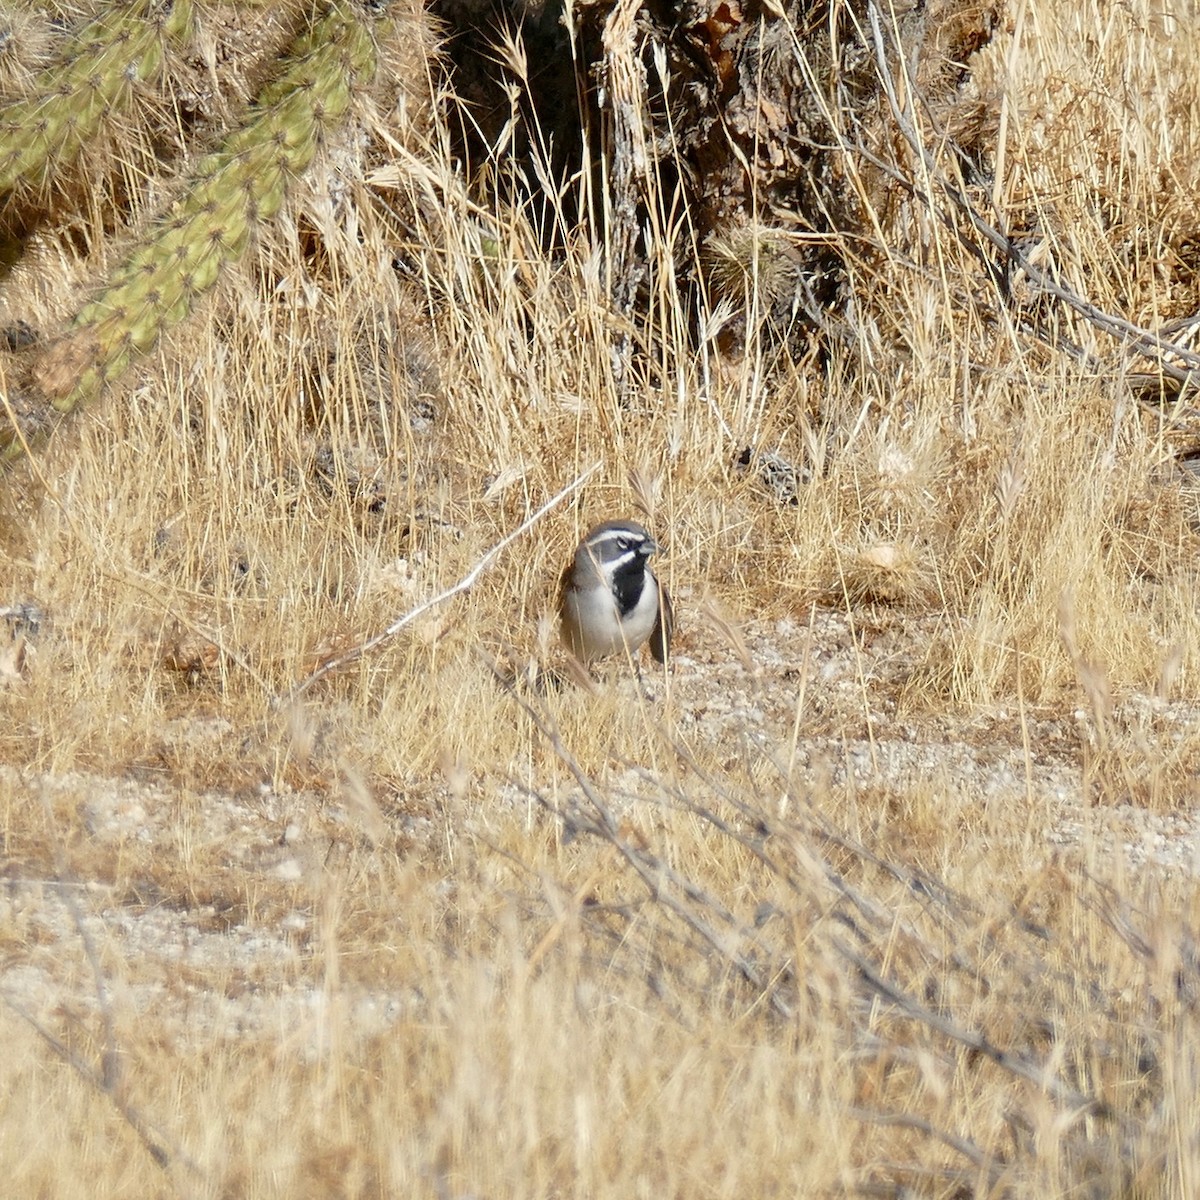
{"type": "Point", "coordinates": [628, 580]}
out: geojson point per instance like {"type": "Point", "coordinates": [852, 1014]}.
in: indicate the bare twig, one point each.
{"type": "Point", "coordinates": [463, 585]}
{"type": "Point", "coordinates": [1037, 1075]}
{"type": "Point", "coordinates": [154, 1141]}
{"type": "Point", "coordinates": [964, 1146]}
{"type": "Point", "coordinates": [109, 1078]}
{"type": "Point", "coordinates": [110, 1059]}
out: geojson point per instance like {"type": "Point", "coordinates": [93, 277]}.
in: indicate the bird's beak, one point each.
{"type": "Point", "coordinates": [649, 547]}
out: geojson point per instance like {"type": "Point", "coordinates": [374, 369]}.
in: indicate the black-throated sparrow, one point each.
{"type": "Point", "coordinates": [610, 601]}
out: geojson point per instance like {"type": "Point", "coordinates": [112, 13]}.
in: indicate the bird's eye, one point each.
{"type": "Point", "coordinates": [624, 544]}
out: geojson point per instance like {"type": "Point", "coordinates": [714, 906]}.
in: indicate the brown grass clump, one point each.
{"type": "Point", "coordinates": [323, 877]}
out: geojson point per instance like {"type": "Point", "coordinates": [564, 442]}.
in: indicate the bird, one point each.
{"type": "Point", "coordinates": [610, 602]}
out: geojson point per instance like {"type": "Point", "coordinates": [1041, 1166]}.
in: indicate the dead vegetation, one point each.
{"type": "Point", "coordinates": [312, 884]}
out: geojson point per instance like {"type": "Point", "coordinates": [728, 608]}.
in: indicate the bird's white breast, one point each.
{"type": "Point", "coordinates": [597, 627]}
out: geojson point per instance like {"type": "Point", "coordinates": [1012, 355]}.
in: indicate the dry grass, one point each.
{"type": "Point", "coordinates": [418, 934]}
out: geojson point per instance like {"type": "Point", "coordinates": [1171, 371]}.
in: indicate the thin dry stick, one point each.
{"type": "Point", "coordinates": [109, 1079]}
{"type": "Point", "coordinates": [463, 585]}
{"type": "Point", "coordinates": [1034, 1073]}
{"type": "Point", "coordinates": [152, 1139]}
{"type": "Point", "coordinates": [965, 1146]}
{"type": "Point", "coordinates": [950, 909]}
{"type": "Point", "coordinates": [569, 911]}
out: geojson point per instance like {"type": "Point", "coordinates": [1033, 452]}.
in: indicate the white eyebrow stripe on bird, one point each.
{"type": "Point", "coordinates": [615, 535]}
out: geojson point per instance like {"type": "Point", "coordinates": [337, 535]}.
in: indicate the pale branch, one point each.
{"type": "Point", "coordinates": [154, 1141]}
{"type": "Point", "coordinates": [463, 585]}
{"type": "Point", "coordinates": [109, 1079]}
{"type": "Point", "coordinates": [978, 1158]}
